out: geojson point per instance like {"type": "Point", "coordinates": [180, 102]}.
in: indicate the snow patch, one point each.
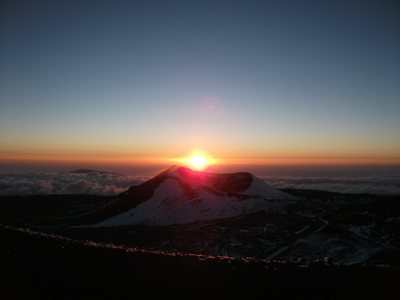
{"type": "Point", "coordinates": [259, 187]}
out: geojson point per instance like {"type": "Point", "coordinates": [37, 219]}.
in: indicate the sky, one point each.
{"type": "Point", "coordinates": [136, 86]}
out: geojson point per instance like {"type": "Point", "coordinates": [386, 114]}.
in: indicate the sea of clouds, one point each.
{"type": "Point", "coordinates": [377, 184]}
{"type": "Point", "coordinates": [108, 184]}
{"type": "Point", "coordinates": [94, 183]}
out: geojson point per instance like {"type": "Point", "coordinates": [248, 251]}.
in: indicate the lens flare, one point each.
{"type": "Point", "coordinates": [211, 107]}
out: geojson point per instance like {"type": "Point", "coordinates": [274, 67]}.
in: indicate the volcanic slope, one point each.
{"type": "Point", "coordinates": [180, 195]}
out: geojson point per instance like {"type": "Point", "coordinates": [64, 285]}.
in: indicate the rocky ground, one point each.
{"type": "Point", "coordinates": [346, 228]}
{"type": "Point", "coordinates": [62, 268]}
{"type": "Point", "coordinates": [309, 254]}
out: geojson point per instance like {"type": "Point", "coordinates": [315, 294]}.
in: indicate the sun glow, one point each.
{"type": "Point", "coordinates": [198, 161]}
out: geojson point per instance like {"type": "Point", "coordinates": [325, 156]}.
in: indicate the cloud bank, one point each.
{"type": "Point", "coordinates": [107, 184]}
{"type": "Point", "coordinates": [93, 183]}
{"type": "Point", "coordinates": [377, 184]}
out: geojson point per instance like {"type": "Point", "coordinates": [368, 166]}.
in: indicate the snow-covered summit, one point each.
{"type": "Point", "coordinates": [181, 195]}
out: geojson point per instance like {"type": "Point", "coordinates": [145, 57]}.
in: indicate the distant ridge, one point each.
{"type": "Point", "coordinates": [85, 171]}
{"type": "Point", "coordinates": [180, 195]}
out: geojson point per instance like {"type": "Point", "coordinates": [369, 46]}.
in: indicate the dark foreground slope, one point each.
{"type": "Point", "coordinates": [33, 265]}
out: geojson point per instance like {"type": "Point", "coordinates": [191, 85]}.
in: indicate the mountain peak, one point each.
{"type": "Point", "coordinates": [182, 195]}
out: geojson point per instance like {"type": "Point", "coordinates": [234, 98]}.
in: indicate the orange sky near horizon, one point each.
{"type": "Point", "coordinates": [316, 165]}
{"type": "Point", "coordinates": [123, 152]}
{"type": "Point", "coordinates": [15, 158]}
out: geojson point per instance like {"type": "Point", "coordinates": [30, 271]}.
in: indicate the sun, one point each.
{"type": "Point", "coordinates": [198, 161]}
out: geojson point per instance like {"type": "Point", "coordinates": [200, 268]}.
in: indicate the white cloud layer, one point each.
{"type": "Point", "coordinates": [67, 183]}
{"type": "Point", "coordinates": [377, 184]}
{"type": "Point", "coordinates": [113, 184]}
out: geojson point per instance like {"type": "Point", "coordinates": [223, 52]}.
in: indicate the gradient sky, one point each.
{"type": "Point", "coordinates": [254, 82]}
